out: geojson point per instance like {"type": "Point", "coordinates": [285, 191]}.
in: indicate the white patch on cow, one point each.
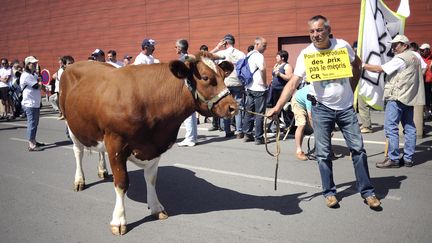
{"type": "Point", "coordinates": [209, 63]}
{"type": "Point", "coordinates": [119, 217]}
{"type": "Point", "coordinates": [100, 147]}
{"type": "Point", "coordinates": [150, 174]}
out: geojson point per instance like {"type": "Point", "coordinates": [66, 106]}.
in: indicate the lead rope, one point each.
{"type": "Point", "coordinates": [276, 154]}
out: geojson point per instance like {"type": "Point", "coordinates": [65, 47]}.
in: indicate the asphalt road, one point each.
{"type": "Point", "coordinates": [219, 191]}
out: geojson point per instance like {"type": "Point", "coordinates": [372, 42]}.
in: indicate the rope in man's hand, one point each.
{"type": "Point", "coordinates": [276, 154]}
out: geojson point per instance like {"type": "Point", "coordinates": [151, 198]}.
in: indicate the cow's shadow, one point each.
{"type": "Point", "coordinates": [181, 192]}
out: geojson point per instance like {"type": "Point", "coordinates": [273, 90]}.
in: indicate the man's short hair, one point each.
{"type": "Point", "coordinates": [114, 53]}
{"type": "Point", "coordinates": [183, 44]}
{"type": "Point", "coordinates": [318, 17]}
{"type": "Point", "coordinates": [204, 48]}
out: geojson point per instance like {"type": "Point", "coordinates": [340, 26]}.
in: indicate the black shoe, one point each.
{"type": "Point", "coordinates": [387, 164]}
{"type": "Point", "coordinates": [230, 134]}
{"type": "Point", "coordinates": [211, 129]}
{"type": "Point", "coordinates": [259, 141]}
{"type": "Point", "coordinates": [248, 138]}
{"type": "Point", "coordinates": [40, 144]}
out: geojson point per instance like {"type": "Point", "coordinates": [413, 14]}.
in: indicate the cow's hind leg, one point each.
{"type": "Point", "coordinates": [117, 158]}
{"type": "Point", "coordinates": [102, 168]}
{"type": "Point", "coordinates": [150, 175]}
{"type": "Point", "coordinates": [78, 149]}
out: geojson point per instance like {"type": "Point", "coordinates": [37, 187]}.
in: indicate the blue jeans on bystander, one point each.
{"type": "Point", "coordinates": [396, 112]}
{"type": "Point", "coordinates": [256, 102]}
{"type": "Point", "coordinates": [32, 122]}
{"type": "Point", "coordinates": [237, 93]}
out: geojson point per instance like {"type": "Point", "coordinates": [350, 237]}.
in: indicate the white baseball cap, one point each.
{"type": "Point", "coordinates": [30, 59]}
{"type": "Point", "coordinates": [425, 46]}
{"type": "Point", "coordinates": [400, 38]}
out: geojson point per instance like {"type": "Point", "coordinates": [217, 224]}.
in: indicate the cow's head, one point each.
{"type": "Point", "coordinates": [205, 80]}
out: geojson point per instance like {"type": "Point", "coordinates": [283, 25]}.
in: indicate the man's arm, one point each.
{"type": "Point", "coordinates": [356, 69]}
{"type": "Point", "coordinates": [373, 68]}
{"type": "Point", "coordinates": [287, 93]}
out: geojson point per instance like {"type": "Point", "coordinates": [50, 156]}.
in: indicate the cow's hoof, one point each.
{"type": "Point", "coordinates": [103, 175]}
{"type": "Point", "coordinates": [79, 186]}
{"type": "Point", "coordinates": [118, 229]}
{"type": "Point", "coordinates": [161, 215]}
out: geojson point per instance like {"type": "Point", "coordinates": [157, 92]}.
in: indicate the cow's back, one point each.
{"type": "Point", "coordinates": [144, 104]}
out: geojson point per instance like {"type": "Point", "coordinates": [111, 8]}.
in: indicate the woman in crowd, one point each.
{"type": "Point", "coordinates": [31, 91]}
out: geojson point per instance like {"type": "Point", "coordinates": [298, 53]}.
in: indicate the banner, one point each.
{"type": "Point", "coordinates": [378, 26]}
{"type": "Point", "coordinates": [325, 65]}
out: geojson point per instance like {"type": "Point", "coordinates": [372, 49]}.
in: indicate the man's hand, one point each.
{"type": "Point", "coordinates": [273, 113]}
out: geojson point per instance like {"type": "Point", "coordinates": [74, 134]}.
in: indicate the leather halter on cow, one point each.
{"type": "Point", "coordinates": [134, 113]}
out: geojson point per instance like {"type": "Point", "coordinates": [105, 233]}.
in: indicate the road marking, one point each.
{"type": "Point", "coordinates": [13, 124]}
{"type": "Point", "coordinates": [296, 183]}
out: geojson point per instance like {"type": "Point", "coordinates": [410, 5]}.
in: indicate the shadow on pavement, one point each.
{"type": "Point", "coordinates": [181, 192]}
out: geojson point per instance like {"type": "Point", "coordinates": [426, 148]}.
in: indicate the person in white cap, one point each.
{"type": "Point", "coordinates": [31, 93]}
{"type": "Point", "coordinates": [146, 55]}
{"type": "Point", "coordinates": [425, 52]}
{"type": "Point", "coordinates": [402, 91]}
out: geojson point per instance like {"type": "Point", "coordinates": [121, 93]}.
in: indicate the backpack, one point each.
{"type": "Point", "coordinates": [244, 73]}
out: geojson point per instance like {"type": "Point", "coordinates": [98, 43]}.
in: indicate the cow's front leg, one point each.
{"type": "Point", "coordinates": [150, 175]}
{"type": "Point", "coordinates": [78, 148]}
{"type": "Point", "coordinates": [117, 158]}
{"type": "Point", "coordinates": [102, 168]}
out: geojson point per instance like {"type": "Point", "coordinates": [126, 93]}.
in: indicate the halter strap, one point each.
{"type": "Point", "coordinates": [198, 96]}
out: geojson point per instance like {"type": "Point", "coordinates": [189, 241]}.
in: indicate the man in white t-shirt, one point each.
{"type": "Point", "coordinates": [332, 102]}
{"type": "Point", "coordinates": [256, 93]}
{"type": "Point", "coordinates": [146, 55]}
{"type": "Point", "coordinates": [225, 49]}
{"type": "Point", "coordinates": [112, 59]}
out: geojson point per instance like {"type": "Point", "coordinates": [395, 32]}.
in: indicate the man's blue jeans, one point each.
{"type": "Point", "coordinates": [396, 112]}
{"type": "Point", "coordinates": [237, 93]}
{"type": "Point", "coordinates": [324, 120]}
{"type": "Point", "coordinates": [255, 101]}
{"type": "Point", "coordinates": [32, 122]}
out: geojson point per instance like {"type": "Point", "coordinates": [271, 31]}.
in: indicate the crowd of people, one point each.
{"type": "Point", "coordinates": [320, 105]}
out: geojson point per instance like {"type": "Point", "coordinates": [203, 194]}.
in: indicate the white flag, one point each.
{"type": "Point", "coordinates": [378, 26]}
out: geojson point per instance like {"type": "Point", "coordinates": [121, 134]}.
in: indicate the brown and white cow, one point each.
{"type": "Point", "coordinates": [134, 113]}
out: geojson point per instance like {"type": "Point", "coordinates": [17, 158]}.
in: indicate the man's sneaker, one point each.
{"type": "Point", "coordinates": [240, 135]}
{"type": "Point", "coordinates": [373, 201]}
{"type": "Point", "coordinates": [366, 130]}
{"type": "Point", "coordinates": [407, 163]}
{"type": "Point", "coordinates": [186, 143]}
{"type": "Point", "coordinates": [387, 163]}
{"type": "Point", "coordinates": [331, 201]}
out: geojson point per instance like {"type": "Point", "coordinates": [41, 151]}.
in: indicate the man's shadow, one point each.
{"type": "Point", "coordinates": [181, 192]}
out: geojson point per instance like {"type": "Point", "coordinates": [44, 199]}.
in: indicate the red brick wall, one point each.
{"type": "Point", "coordinates": [49, 29]}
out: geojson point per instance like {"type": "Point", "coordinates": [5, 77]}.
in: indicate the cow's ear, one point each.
{"type": "Point", "coordinates": [179, 69]}
{"type": "Point", "coordinates": [227, 67]}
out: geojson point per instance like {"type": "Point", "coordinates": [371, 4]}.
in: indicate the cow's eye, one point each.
{"type": "Point", "coordinates": [205, 78]}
